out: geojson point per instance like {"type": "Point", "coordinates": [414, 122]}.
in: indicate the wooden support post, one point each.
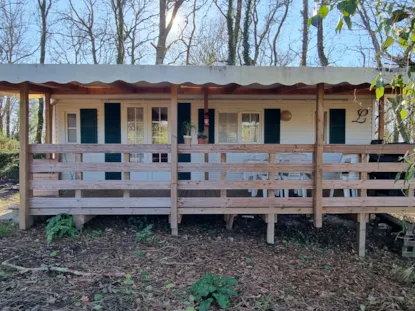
{"type": "Point", "coordinates": [48, 123]}
{"type": "Point", "coordinates": [318, 157]}
{"type": "Point", "coordinates": [78, 175]}
{"type": "Point", "coordinates": [363, 175]}
{"type": "Point", "coordinates": [174, 160]}
{"type": "Point", "coordinates": [271, 194]}
{"type": "Point", "coordinates": [25, 220]}
{"type": "Point", "coordinates": [126, 174]}
{"type": "Point", "coordinates": [361, 234]}
{"type": "Point", "coordinates": [381, 120]}
{"type": "Point", "coordinates": [229, 218]}
{"type": "Point", "coordinates": [205, 127]}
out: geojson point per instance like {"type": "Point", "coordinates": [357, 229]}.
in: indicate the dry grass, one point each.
{"type": "Point", "coordinates": [8, 202]}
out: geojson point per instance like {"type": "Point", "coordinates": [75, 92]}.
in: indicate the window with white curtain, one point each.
{"type": "Point", "coordinates": [228, 127]}
{"type": "Point", "coordinates": [243, 127]}
{"type": "Point", "coordinates": [72, 129]}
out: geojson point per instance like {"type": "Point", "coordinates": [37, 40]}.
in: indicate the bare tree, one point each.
{"type": "Point", "coordinates": [166, 6]}
{"type": "Point", "coordinates": [91, 30]}
{"type": "Point", "coordinates": [44, 7]}
{"type": "Point", "coordinates": [233, 24]}
{"type": "Point", "coordinates": [15, 47]}
{"type": "Point", "coordinates": [210, 43]}
{"type": "Point", "coordinates": [304, 49]}
{"type": "Point", "coordinates": [140, 31]}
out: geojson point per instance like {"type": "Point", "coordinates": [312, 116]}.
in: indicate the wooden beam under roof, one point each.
{"type": "Point", "coordinates": [346, 88]}
{"type": "Point", "coordinates": [283, 89]}
{"type": "Point", "coordinates": [66, 86]}
{"type": "Point", "coordinates": [125, 86]}
{"type": "Point", "coordinates": [33, 88]}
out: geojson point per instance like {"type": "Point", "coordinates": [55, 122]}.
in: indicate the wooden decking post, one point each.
{"type": "Point", "coordinates": [25, 220]}
{"type": "Point", "coordinates": [318, 157]}
{"type": "Point", "coordinates": [271, 194]}
{"type": "Point", "coordinates": [174, 160]}
{"type": "Point", "coordinates": [361, 234]}
{"type": "Point", "coordinates": [126, 193]}
{"type": "Point", "coordinates": [381, 121]}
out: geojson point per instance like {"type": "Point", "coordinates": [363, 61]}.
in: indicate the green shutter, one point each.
{"type": "Point", "coordinates": [272, 126]}
{"type": "Point", "coordinates": [337, 126]}
{"type": "Point", "coordinates": [201, 126]}
{"type": "Point", "coordinates": [183, 115]}
{"type": "Point", "coordinates": [89, 126]}
{"type": "Point", "coordinates": [113, 136]}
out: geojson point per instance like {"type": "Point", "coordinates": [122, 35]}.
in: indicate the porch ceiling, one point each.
{"type": "Point", "coordinates": [106, 79]}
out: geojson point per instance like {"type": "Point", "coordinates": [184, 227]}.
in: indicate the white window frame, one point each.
{"type": "Point", "coordinates": [78, 128]}
{"type": "Point", "coordinates": [239, 113]}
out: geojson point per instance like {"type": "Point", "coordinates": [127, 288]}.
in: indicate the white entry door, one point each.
{"type": "Point", "coordinates": [136, 134]}
{"type": "Point", "coordinates": [159, 134]}
{"type": "Point", "coordinates": [148, 124]}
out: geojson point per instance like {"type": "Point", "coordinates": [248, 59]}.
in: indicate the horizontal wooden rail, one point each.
{"type": "Point", "coordinates": [98, 202]}
{"type": "Point", "coordinates": [365, 167]}
{"type": "Point", "coordinates": [98, 185]}
{"type": "Point", "coordinates": [367, 184]}
{"type": "Point", "coordinates": [99, 148]}
{"type": "Point", "coordinates": [369, 202]}
{"type": "Point", "coordinates": [99, 167]}
{"type": "Point", "coordinates": [249, 148]}
{"type": "Point", "coordinates": [100, 211]}
{"type": "Point", "coordinates": [244, 184]}
{"type": "Point", "coordinates": [244, 202]}
{"type": "Point", "coordinates": [369, 149]}
{"type": "Point", "coordinates": [245, 167]}
{"type": "Point", "coordinates": [244, 210]}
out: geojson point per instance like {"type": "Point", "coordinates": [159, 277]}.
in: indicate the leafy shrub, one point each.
{"type": "Point", "coordinates": [59, 226]}
{"type": "Point", "coordinates": [8, 144]}
{"type": "Point", "coordinates": [9, 165]}
{"type": "Point", "coordinates": [138, 222]}
{"type": "Point", "coordinates": [210, 288]}
{"type": "Point", "coordinates": [5, 228]}
{"type": "Point", "coordinates": [145, 236]}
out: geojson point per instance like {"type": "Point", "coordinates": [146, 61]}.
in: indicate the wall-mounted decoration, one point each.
{"type": "Point", "coordinates": [361, 116]}
{"type": "Point", "coordinates": [286, 115]}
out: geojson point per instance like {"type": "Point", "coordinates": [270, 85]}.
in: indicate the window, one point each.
{"type": "Point", "coordinates": [72, 131]}
{"type": "Point", "coordinates": [159, 131]}
{"type": "Point", "coordinates": [236, 127]}
{"type": "Point", "coordinates": [228, 127]}
{"type": "Point", "coordinates": [135, 131]}
{"type": "Point", "coordinates": [250, 128]}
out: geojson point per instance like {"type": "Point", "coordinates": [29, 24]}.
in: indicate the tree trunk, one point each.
{"type": "Point", "coordinates": [7, 114]}
{"type": "Point", "coordinates": [320, 44]}
{"type": "Point", "coordinates": [39, 128]}
{"type": "Point", "coordinates": [233, 26]}
{"type": "Point", "coordinates": [304, 48]}
{"type": "Point", "coordinates": [44, 8]}
{"type": "Point", "coordinates": [164, 29]}
{"type": "Point", "coordinates": [245, 44]}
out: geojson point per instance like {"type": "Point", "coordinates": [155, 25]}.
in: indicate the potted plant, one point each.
{"type": "Point", "coordinates": [188, 128]}
{"type": "Point", "coordinates": [201, 137]}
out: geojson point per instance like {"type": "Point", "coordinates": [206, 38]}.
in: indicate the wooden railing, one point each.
{"type": "Point", "coordinates": [221, 203]}
{"type": "Point", "coordinates": [247, 205]}
{"type": "Point", "coordinates": [98, 205]}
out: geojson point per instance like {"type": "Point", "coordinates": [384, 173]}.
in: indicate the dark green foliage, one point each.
{"type": "Point", "coordinates": [145, 236]}
{"type": "Point", "coordinates": [59, 226]}
{"type": "Point", "coordinates": [211, 288]}
{"type": "Point", "coordinates": [9, 165]}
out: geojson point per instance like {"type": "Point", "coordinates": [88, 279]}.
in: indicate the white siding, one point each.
{"type": "Point", "coordinates": [299, 130]}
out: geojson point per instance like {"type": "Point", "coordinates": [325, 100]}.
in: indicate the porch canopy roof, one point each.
{"type": "Point", "coordinates": [119, 79]}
